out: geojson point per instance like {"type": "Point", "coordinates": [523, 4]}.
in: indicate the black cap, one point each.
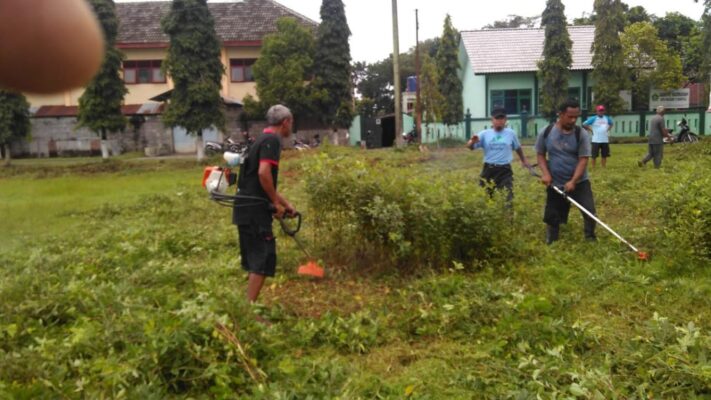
{"type": "Point", "coordinates": [498, 112]}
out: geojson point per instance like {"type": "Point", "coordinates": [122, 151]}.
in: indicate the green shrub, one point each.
{"type": "Point", "coordinates": [686, 207]}
{"type": "Point", "coordinates": [366, 215]}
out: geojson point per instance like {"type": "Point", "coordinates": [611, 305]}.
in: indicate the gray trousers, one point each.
{"type": "Point", "coordinates": [656, 153]}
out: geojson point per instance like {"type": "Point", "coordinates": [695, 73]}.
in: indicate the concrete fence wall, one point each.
{"type": "Point", "coordinates": [626, 125]}
{"type": "Point", "coordinates": [59, 137]}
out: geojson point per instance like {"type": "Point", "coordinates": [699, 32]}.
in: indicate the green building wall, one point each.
{"type": "Point", "coordinates": [473, 86]}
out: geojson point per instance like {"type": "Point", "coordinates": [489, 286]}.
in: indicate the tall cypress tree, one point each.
{"type": "Point", "coordinates": [706, 66]}
{"type": "Point", "coordinates": [194, 64]}
{"type": "Point", "coordinates": [431, 97]}
{"type": "Point", "coordinates": [100, 104]}
{"type": "Point", "coordinates": [554, 68]}
{"type": "Point", "coordinates": [610, 73]}
{"type": "Point", "coordinates": [450, 84]}
{"type": "Point", "coordinates": [333, 69]}
{"type": "Point", "coordinates": [14, 119]}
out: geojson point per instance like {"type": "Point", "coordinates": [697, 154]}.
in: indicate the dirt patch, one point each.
{"type": "Point", "coordinates": [311, 299]}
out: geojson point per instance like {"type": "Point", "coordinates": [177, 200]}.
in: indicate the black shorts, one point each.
{"type": "Point", "coordinates": [597, 148]}
{"type": "Point", "coordinates": [258, 248]}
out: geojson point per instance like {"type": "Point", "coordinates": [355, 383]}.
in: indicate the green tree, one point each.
{"type": "Point", "coordinates": [651, 62]}
{"type": "Point", "coordinates": [366, 107]}
{"type": "Point", "coordinates": [14, 119]}
{"type": "Point", "coordinates": [631, 16]}
{"type": "Point", "coordinates": [638, 14]}
{"type": "Point", "coordinates": [432, 99]}
{"type": "Point", "coordinates": [692, 54]}
{"type": "Point", "coordinates": [608, 61]}
{"type": "Point", "coordinates": [100, 104]}
{"type": "Point", "coordinates": [586, 19]}
{"type": "Point", "coordinates": [284, 70]}
{"type": "Point", "coordinates": [705, 70]}
{"type": "Point", "coordinates": [514, 21]}
{"type": "Point", "coordinates": [554, 68]}
{"type": "Point", "coordinates": [375, 81]}
{"type": "Point", "coordinates": [333, 70]}
{"type": "Point", "coordinates": [194, 64]}
{"type": "Point", "coordinates": [674, 28]}
{"type": "Point", "coordinates": [450, 83]}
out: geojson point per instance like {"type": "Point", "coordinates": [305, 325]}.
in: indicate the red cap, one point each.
{"type": "Point", "coordinates": [600, 108]}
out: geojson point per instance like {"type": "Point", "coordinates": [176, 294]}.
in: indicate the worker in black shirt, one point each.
{"type": "Point", "coordinates": [258, 179]}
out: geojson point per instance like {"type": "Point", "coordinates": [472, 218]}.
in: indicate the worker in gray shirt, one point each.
{"type": "Point", "coordinates": [563, 151]}
{"type": "Point", "coordinates": [657, 132]}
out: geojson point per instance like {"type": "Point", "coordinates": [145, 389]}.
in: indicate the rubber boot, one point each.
{"type": "Point", "coordinates": [552, 234]}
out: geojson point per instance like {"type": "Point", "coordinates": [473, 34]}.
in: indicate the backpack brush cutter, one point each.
{"type": "Point", "coordinates": [641, 255]}
{"type": "Point", "coordinates": [217, 180]}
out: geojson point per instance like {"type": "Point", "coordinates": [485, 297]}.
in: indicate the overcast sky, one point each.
{"type": "Point", "coordinates": [371, 20]}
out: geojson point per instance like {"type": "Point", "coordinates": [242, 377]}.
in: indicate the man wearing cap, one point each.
{"type": "Point", "coordinates": [657, 132]}
{"type": "Point", "coordinates": [599, 126]}
{"type": "Point", "coordinates": [497, 143]}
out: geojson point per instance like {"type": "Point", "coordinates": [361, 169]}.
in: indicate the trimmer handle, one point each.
{"type": "Point", "coordinates": [285, 227]}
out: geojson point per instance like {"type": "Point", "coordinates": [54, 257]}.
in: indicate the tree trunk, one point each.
{"type": "Point", "coordinates": [104, 146]}
{"type": "Point", "coordinates": [8, 155]}
{"type": "Point", "coordinates": [200, 148]}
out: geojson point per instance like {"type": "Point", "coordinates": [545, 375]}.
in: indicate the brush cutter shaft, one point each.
{"type": "Point", "coordinates": [292, 232]}
{"type": "Point", "coordinates": [591, 215]}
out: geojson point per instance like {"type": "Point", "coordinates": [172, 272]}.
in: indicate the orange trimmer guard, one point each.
{"type": "Point", "coordinates": [311, 269]}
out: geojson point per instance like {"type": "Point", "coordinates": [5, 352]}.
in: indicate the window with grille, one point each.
{"type": "Point", "coordinates": [146, 71]}
{"type": "Point", "coordinates": [241, 69]}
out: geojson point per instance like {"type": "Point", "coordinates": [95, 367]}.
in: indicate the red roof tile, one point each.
{"type": "Point", "coordinates": [73, 111]}
{"type": "Point", "coordinates": [246, 21]}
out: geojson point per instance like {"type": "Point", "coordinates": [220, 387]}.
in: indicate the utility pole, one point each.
{"type": "Point", "coordinates": [418, 104]}
{"type": "Point", "coordinates": [396, 76]}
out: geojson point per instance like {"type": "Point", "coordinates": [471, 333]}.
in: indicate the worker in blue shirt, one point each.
{"type": "Point", "coordinates": [498, 144]}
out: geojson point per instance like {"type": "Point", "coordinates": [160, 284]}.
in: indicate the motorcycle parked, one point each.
{"type": "Point", "coordinates": [230, 145]}
{"type": "Point", "coordinates": [685, 134]}
{"type": "Point", "coordinates": [410, 137]}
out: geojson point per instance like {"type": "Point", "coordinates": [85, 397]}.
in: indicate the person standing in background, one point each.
{"type": "Point", "coordinates": [599, 126]}
{"type": "Point", "coordinates": [657, 132]}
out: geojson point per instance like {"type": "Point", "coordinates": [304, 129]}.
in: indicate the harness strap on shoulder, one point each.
{"type": "Point", "coordinates": [547, 132]}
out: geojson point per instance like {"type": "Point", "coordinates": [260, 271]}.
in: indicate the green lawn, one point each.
{"type": "Point", "coordinates": [31, 208]}
{"type": "Point", "coordinates": [121, 280]}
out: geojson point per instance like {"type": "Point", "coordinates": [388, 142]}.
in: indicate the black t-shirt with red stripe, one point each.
{"type": "Point", "coordinates": [266, 149]}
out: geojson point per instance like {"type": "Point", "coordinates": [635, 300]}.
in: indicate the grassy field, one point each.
{"type": "Point", "coordinates": [121, 280]}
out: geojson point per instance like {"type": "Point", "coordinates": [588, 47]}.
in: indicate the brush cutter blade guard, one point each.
{"type": "Point", "coordinates": [642, 256]}
{"type": "Point", "coordinates": [311, 269]}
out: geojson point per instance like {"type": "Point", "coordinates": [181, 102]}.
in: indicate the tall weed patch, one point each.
{"type": "Point", "coordinates": [687, 213]}
{"type": "Point", "coordinates": [375, 213]}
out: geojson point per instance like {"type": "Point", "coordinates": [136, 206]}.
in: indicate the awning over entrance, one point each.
{"type": "Point", "coordinates": [229, 101]}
